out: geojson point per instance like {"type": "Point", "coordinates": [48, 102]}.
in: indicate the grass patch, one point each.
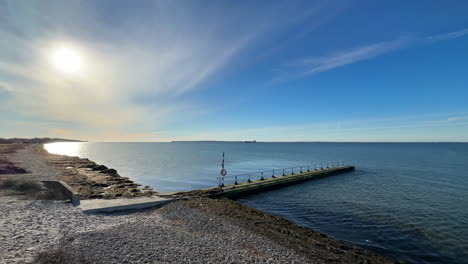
{"type": "Point", "coordinates": [50, 195]}
{"type": "Point", "coordinates": [31, 188]}
{"type": "Point", "coordinates": [21, 185]}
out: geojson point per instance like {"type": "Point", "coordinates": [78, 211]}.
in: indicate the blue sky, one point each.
{"type": "Point", "coordinates": [235, 70]}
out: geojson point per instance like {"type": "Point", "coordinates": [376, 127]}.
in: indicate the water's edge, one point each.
{"type": "Point", "coordinates": [291, 233]}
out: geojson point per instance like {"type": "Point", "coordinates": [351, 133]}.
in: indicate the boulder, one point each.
{"type": "Point", "coordinates": [89, 166]}
{"type": "Point", "coordinates": [100, 168]}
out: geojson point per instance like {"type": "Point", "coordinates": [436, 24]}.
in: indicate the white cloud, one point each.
{"type": "Point", "coordinates": [451, 35]}
{"type": "Point", "coordinates": [313, 65]}
{"type": "Point", "coordinates": [4, 87]}
{"type": "Point", "coordinates": [338, 59]}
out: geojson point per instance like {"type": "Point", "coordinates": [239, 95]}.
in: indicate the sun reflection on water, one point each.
{"type": "Point", "coordinates": [64, 148]}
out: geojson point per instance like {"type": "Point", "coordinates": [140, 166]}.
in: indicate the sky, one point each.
{"type": "Point", "coordinates": [114, 70]}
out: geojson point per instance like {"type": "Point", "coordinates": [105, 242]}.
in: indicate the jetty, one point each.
{"type": "Point", "coordinates": [254, 182]}
{"type": "Point", "coordinates": [229, 186]}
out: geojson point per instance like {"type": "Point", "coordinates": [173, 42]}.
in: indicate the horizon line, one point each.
{"type": "Point", "coordinates": [243, 141]}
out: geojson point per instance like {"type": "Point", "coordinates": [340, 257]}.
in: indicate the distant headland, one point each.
{"type": "Point", "coordinates": [36, 140]}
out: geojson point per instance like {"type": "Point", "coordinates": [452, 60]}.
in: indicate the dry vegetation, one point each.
{"type": "Point", "coordinates": [7, 167]}
{"type": "Point", "coordinates": [31, 189]}
{"type": "Point", "coordinates": [20, 185]}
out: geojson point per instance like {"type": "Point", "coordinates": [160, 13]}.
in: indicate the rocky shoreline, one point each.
{"type": "Point", "coordinates": [92, 180]}
{"type": "Point", "coordinates": [191, 230]}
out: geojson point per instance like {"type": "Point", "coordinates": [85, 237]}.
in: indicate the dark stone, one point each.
{"type": "Point", "coordinates": [135, 190]}
{"type": "Point", "coordinates": [19, 170]}
{"type": "Point", "coordinates": [90, 166]}
{"type": "Point", "coordinates": [100, 185]}
{"type": "Point", "coordinates": [100, 168]}
{"type": "Point", "coordinates": [109, 171]}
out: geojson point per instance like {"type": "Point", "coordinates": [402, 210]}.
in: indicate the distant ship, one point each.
{"type": "Point", "coordinates": [253, 141]}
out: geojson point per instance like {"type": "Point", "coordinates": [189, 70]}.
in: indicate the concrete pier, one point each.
{"type": "Point", "coordinates": [229, 191]}
{"type": "Point", "coordinates": [246, 188]}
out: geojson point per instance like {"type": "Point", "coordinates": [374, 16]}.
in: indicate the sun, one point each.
{"type": "Point", "coordinates": [67, 60]}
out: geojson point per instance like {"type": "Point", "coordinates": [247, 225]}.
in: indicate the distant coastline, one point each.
{"type": "Point", "coordinates": [36, 140]}
{"type": "Point", "coordinates": [347, 142]}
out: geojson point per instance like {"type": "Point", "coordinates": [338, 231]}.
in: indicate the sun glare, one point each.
{"type": "Point", "coordinates": [67, 60]}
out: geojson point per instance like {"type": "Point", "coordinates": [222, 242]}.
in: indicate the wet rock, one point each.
{"type": "Point", "coordinates": [89, 166]}
{"type": "Point", "coordinates": [96, 196]}
{"type": "Point", "coordinates": [109, 171]}
{"type": "Point", "coordinates": [100, 168]}
{"type": "Point", "coordinates": [100, 185]}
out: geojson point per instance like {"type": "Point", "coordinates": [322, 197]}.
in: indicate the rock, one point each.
{"type": "Point", "coordinates": [100, 185]}
{"type": "Point", "coordinates": [19, 170]}
{"type": "Point", "coordinates": [100, 168]}
{"type": "Point", "coordinates": [109, 171]}
{"type": "Point", "coordinates": [89, 166]}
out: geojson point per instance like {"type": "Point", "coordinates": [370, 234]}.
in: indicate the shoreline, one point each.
{"type": "Point", "coordinates": [92, 180]}
{"type": "Point", "coordinates": [189, 219]}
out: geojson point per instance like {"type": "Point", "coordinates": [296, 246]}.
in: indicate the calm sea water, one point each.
{"type": "Point", "coordinates": [407, 201]}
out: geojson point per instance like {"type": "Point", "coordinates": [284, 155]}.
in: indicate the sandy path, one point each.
{"type": "Point", "coordinates": [32, 162]}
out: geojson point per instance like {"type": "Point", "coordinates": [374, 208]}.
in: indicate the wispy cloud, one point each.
{"type": "Point", "coordinates": [457, 118]}
{"type": "Point", "coordinates": [5, 88]}
{"type": "Point", "coordinates": [61, 132]}
{"type": "Point", "coordinates": [450, 35]}
{"type": "Point", "coordinates": [313, 65]}
{"type": "Point", "coordinates": [338, 59]}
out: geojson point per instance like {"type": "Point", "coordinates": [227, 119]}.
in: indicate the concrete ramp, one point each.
{"type": "Point", "coordinates": [113, 205]}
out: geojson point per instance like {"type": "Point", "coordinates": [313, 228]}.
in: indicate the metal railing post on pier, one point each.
{"type": "Point", "coordinates": [247, 177]}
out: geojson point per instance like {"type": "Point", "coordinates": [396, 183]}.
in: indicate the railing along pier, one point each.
{"type": "Point", "coordinates": [260, 175]}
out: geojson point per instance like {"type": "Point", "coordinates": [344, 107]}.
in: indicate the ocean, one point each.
{"type": "Point", "coordinates": [408, 201]}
